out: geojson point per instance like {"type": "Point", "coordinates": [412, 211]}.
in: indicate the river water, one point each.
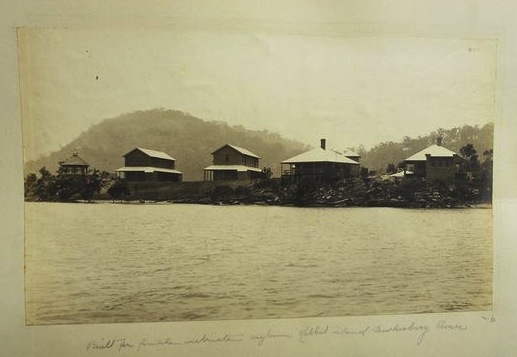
{"type": "Point", "coordinates": [97, 263]}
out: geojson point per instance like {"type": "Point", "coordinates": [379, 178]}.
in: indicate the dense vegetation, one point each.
{"type": "Point", "coordinates": [475, 187]}
{"type": "Point", "coordinates": [379, 157]}
{"type": "Point", "coordinates": [191, 140]}
{"type": "Point", "coordinates": [188, 139]}
{"type": "Point", "coordinates": [64, 187]}
{"type": "Point", "coordinates": [382, 190]}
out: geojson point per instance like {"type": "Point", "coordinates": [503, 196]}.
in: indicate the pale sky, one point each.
{"type": "Point", "coordinates": [351, 89]}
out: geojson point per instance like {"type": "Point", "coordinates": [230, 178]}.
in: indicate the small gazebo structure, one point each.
{"type": "Point", "coordinates": [74, 165]}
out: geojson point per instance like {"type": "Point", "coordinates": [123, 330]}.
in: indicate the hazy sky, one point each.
{"type": "Point", "coordinates": [351, 89]}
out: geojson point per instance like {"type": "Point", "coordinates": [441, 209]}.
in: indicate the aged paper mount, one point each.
{"type": "Point", "coordinates": [459, 334]}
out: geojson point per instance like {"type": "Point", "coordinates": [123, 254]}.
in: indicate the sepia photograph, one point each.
{"type": "Point", "coordinates": [195, 175]}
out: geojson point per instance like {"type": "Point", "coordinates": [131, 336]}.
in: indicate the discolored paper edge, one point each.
{"type": "Point", "coordinates": [471, 334]}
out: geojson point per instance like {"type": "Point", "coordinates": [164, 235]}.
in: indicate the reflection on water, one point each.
{"type": "Point", "coordinates": [126, 263]}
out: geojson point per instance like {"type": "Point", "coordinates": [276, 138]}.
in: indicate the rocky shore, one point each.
{"type": "Point", "coordinates": [371, 192]}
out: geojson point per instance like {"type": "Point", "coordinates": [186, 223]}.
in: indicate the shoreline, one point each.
{"type": "Point", "coordinates": [409, 193]}
{"type": "Point", "coordinates": [479, 205]}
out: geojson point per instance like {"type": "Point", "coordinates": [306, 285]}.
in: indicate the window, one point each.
{"type": "Point", "coordinates": [226, 158]}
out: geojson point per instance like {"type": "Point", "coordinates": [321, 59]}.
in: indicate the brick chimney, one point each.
{"type": "Point", "coordinates": [439, 141]}
{"type": "Point", "coordinates": [323, 144]}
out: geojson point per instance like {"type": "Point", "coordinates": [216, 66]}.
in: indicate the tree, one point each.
{"type": "Point", "coordinates": [267, 172]}
{"type": "Point", "coordinates": [63, 186]}
{"type": "Point", "coordinates": [468, 151]}
{"type": "Point", "coordinates": [118, 189]}
{"type": "Point", "coordinates": [486, 174]}
{"type": "Point", "coordinates": [441, 133]}
{"type": "Point", "coordinates": [488, 154]}
{"type": "Point", "coordinates": [68, 186]}
{"type": "Point", "coordinates": [92, 184]}
{"type": "Point", "coordinates": [470, 155]}
{"type": "Point", "coordinates": [30, 184]}
{"type": "Point", "coordinates": [45, 188]}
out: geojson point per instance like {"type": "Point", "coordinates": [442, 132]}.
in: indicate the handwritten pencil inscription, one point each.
{"type": "Point", "coordinates": [419, 332]}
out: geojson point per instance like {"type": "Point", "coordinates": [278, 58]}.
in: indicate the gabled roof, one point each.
{"type": "Point", "coordinates": [239, 149]}
{"type": "Point", "coordinates": [147, 169]}
{"type": "Point", "coordinates": [320, 155]}
{"type": "Point", "coordinates": [433, 151]}
{"type": "Point", "coordinates": [74, 160]}
{"type": "Point", "coordinates": [240, 168]}
{"type": "Point", "coordinates": [152, 153]}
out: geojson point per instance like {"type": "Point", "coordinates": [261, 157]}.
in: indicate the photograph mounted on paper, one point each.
{"type": "Point", "coordinates": [208, 175]}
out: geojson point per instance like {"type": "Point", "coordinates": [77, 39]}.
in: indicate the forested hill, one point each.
{"type": "Point", "coordinates": [188, 139]}
{"type": "Point", "coordinates": [191, 141]}
{"type": "Point", "coordinates": [378, 157]}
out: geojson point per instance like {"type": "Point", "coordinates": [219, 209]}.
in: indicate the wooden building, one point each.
{"type": "Point", "coordinates": [149, 165]}
{"type": "Point", "coordinates": [74, 165]}
{"type": "Point", "coordinates": [231, 162]}
{"type": "Point", "coordinates": [434, 163]}
{"type": "Point", "coordinates": [319, 163]}
{"type": "Point", "coordinates": [352, 155]}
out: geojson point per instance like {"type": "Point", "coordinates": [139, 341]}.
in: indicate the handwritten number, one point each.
{"type": "Point", "coordinates": [488, 318]}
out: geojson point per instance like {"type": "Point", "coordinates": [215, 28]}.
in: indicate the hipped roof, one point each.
{"type": "Point", "coordinates": [433, 151]}
{"type": "Point", "coordinates": [320, 155]}
{"type": "Point", "coordinates": [74, 160]}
